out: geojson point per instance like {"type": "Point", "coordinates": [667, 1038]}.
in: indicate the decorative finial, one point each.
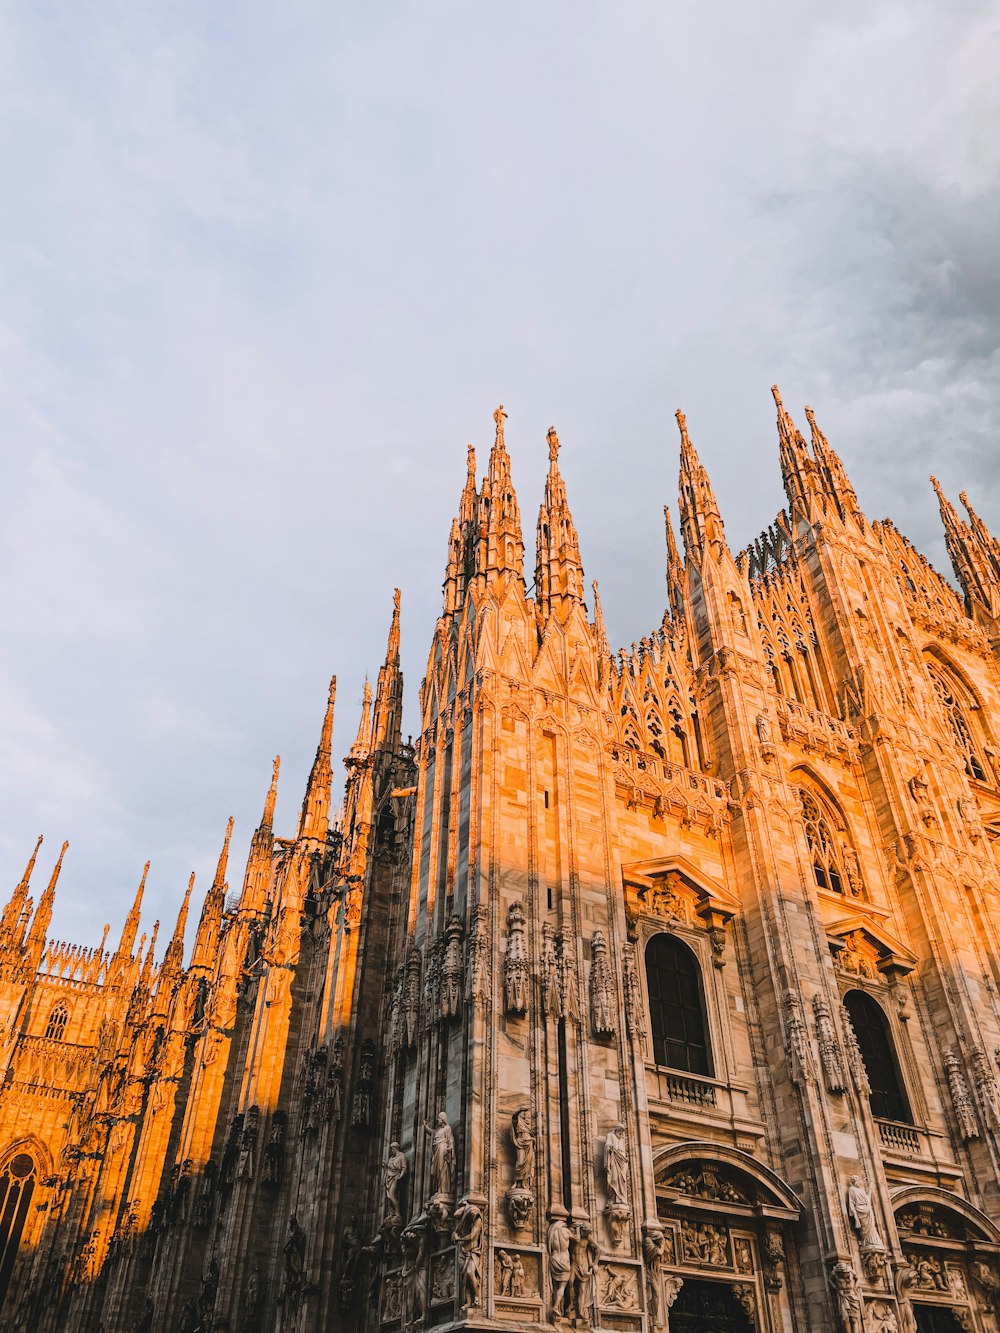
{"type": "Point", "coordinates": [500, 416]}
{"type": "Point", "coordinates": [470, 462]}
{"type": "Point", "coordinates": [776, 395]}
{"type": "Point", "coordinates": [553, 440]}
{"type": "Point", "coordinates": [682, 426]}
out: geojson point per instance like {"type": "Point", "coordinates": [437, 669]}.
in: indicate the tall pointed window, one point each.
{"type": "Point", "coordinates": [56, 1026]}
{"type": "Point", "coordinates": [17, 1184]}
{"type": "Point", "coordinates": [871, 1027]}
{"type": "Point", "coordinates": [676, 1006]}
{"type": "Point", "coordinates": [961, 730]}
{"type": "Point", "coordinates": [826, 861]}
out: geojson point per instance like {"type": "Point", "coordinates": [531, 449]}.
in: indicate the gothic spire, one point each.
{"type": "Point", "coordinates": [701, 522]}
{"type": "Point", "coordinates": [258, 868]}
{"type": "Point", "coordinates": [131, 926]}
{"type": "Point", "coordinates": [173, 959]}
{"type": "Point", "coordinates": [363, 741]}
{"type": "Point", "coordinates": [675, 570]}
{"type": "Point", "coordinates": [603, 647]}
{"type": "Point", "coordinates": [210, 922]}
{"type": "Point", "coordinates": [501, 545]}
{"type": "Point", "coordinates": [558, 569]}
{"type": "Point", "coordinates": [988, 544]}
{"type": "Point", "coordinates": [314, 821]}
{"type": "Point", "coordinates": [973, 560]}
{"type": "Point", "coordinates": [798, 471]}
{"type": "Point", "coordinates": [388, 716]}
{"type": "Point", "coordinates": [835, 481]}
{"type": "Point", "coordinates": [15, 905]}
{"type": "Point", "coordinates": [35, 943]}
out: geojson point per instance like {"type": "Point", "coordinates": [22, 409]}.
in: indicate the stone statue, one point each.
{"type": "Point", "coordinates": [862, 1214]}
{"type": "Point", "coordinates": [413, 1278]}
{"type": "Point", "coordinates": [603, 1002]}
{"type": "Point", "coordinates": [468, 1235]}
{"type": "Point", "coordinates": [652, 1254]}
{"type": "Point", "coordinates": [845, 1285]}
{"type": "Point", "coordinates": [394, 1173]}
{"type": "Point", "coordinates": [616, 1164]}
{"type": "Point", "coordinates": [558, 1244]}
{"type": "Point", "coordinates": [524, 1148]}
{"type": "Point", "coordinates": [294, 1251]}
{"type": "Point", "coordinates": [442, 1156]}
{"type": "Point", "coordinates": [251, 1301]}
{"type": "Point", "coordinates": [517, 1276]}
{"type": "Point", "coordinates": [584, 1255]}
{"type": "Point", "coordinates": [505, 1273]}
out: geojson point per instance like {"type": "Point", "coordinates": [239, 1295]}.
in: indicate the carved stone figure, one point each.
{"type": "Point", "coordinates": [635, 1024]}
{"type": "Point", "coordinates": [603, 1003]}
{"type": "Point", "coordinates": [583, 1270]}
{"type": "Point", "coordinates": [468, 1235]}
{"type": "Point", "coordinates": [796, 1039]}
{"type": "Point", "coordinates": [862, 1214]}
{"type": "Point", "coordinates": [829, 1050]}
{"type": "Point", "coordinates": [361, 1110]}
{"type": "Point", "coordinates": [442, 1156]}
{"type": "Point", "coordinates": [274, 1152]}
{"type": "Point", "coordinates": [617, 1290]}
{"type": "Point", "coordinates": [523, 1139]}
{"type": "Point", "coordinates": [248, 1144]}
{"type": "Point", "coordinates": [504, 1273]}
{"type": "Point", "coordinates": [960, 1099]}
{"type": "Point", "coordinates": [452, 969]}
{"type": "Point", "coordinates": [393, 1175]}
{"type": "Point", "coordinates": [348, 1257]}
{"type": "Point", "coordinates": [616, 1164]}
{"type": "Point", "coordinates": [413, 1278]}
{"type": "Point", "coordinates": [294, 1252]}
{"type": "Point", "coordinates": [478, 956]}
{"type": "Point", "coordinates": [516, 972]}
{"type": "Point", "coordinates": [882, 1318]}
{"type": "Point", "coordinates": [558, 1243]}
{"type": "Point", "coordinates": [548, 972]}
{"type": "Point", "coordinates": [517, 1276]}
{"type": "Point", "coordinates": [411, 997]}
{"type": "Point", "coordinates": [849, 1308]}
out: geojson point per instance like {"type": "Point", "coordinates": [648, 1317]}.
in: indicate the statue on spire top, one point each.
{"type": "Point", "coordinates": [500, 416]}
{"type": "Point", "coordinates": [553, 440]}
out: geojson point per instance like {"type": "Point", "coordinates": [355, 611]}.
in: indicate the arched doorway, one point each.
{"type": "Point", "coordinates": [936, 1319]}
{"type": "Point", "coordinates": [17, 1184]}
{"type": "Point", "coordinates": [709, 1307]}
{"type": "Point", "coordinates": [950, 1249]}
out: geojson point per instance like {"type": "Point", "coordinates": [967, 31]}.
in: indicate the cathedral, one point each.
{"type": "Point", "coordinates": [646, 989]}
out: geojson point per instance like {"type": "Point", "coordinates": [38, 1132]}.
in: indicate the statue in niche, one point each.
{"type": "Point", "coordinates": [616, 1163]}
{"type": "Point", "coordinates": [845, 1286]}
{"type": "Point", "coordinates": [294, 1252]}
{"type": "Point", "coordinates": [584, 1255]}
{"type": "Point", "coordinates": [413, 1278]}
{"type": "Point", "coordinates": [862, 1214]}
{"type": "Point", "coordinates": [393, 1174]}
{"type": "Point", "coordinates": [603, 1004]}
{"type": "Point", "coordinates": [516, 971]}
{"type": "Point", "coordinates": [524, 1148]}
{"type": "Point", "coordinates": [442, 1156]}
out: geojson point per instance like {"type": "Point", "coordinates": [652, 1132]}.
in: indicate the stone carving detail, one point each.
{"type": "Point", "coordinates": [619, 1289]}
{"type": "Point", "coordinates": [252, 1301]}
{"type": "Point", "coordinates": [442, 1170]}
{"type": "Point", "coordinates": [293, 1273]}
{"type": "Point", "coordinates": [361, 1111]}
{"type": "Point", "coordinates": [246, 1163]}
{"type": "Point", "coordinates": [706, 1183]}
{"type": "Point", "coordinates": [584, 1255]}
{"type": "Point", "coordinates": [348, 1255]}
{"type": "Point", "coordinates": [394, 1174]}
{"type": "Point", "coordinates": [565, 973]}
{"type": "Point", "coordinates": [635, 1024]}
{"type": "Point", "coordinates": [521, 1195]}
{"type": "Point", "coordinates": [704, 1244]}
{"type": "Point", "coordinates": [796, 1039]}
{"type": "Point", "coordinates": [411, 998]}
{"type": "Point", "coordinates": [849, 1307]}
{"type": "Point", "coordinates": [985, 1080]}
{"type": "Point", "coordinates": [747, 1301]}
{"type": "Point", "coordinates": [413, 1277]}
{"type": "Point", "coordinates": [603, 1004]}
{"type": "Point", "coordinates": [548, 976]}
{"type": "Point", "coordinates": [558, 1243]}
{"type": "Point", "coordinates": [313, 1077]}
{"type": "Point", "coordinates": [478, 957]}
{"type": "Point", "coordinates": [859, 957]}
{"type": "Point", "coordinates": [394, 1023]}
{"type": "Point", "coordinates": [861, 1211]}
{"type": "Point", "coordinates": [616, 1170]}
{"type": "Point", "coordinates": [662, 1288]}
{"type": "Point", "coordinates": [511, 1278]}
{"type": "Point", "coordinates": [774, 1259]}
{"type": "Point", "coordinates": [988, 1283]}
{"type": "Point", "coordinates": [274, 1152]}
{"type": "Point", "coordinates": [516, 974]}
{"type": "Point", "coordinates": [468, 1236]}
{"type": "Point", "coordinates": [854, 1057]}
{"type": "Point", "coordinates": [922, 1220]}
{"type": "Point", "coordinates": [335, 1081]}
{"type": "Point", "coordinates": [442, 1278]}
{"type": "Point", "coordinates": [960, 1099]}
{"type": "Point", "coordinates": [452, 969]}
{"type": "Point", "coordinates": [929, 1273]}
{"type": "Point", "coordinates": [829, 1050]}
{"type": "Point", "coordinates": [881, 1318]}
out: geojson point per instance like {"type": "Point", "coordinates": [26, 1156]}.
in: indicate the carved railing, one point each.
{"type": "Point", "coordinates": [899, 1138]}
{"type": "Point", "coordinates": [685, 1088]}
{"type": "Point", "coordinates": [812, 730]}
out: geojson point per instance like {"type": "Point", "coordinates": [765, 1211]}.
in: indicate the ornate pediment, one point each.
{"type": "Point", "coordinates": [672, 888]}
{"type": "Point", "coordinates": [862, 946]}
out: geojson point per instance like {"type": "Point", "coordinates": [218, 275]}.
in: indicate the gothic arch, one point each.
{"type": "Point", "coordinates": [979, 1225]}
{"type": "Point", "coordinates": [832, 852]}
{"type": "Point", "coordinates": [963, 706]}
{"type": "Point", "coordinates": [23, 1167]}
{"type": "Point", "coordinates": [775, 1197]}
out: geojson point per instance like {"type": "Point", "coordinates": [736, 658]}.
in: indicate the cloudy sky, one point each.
{"type": "Point", "coordinates": [266, 269]}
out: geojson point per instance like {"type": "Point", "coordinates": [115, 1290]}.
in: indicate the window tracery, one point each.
{"type": "Point", "coordinates": [677, 1018]}
{"type": "Point", "coordinates": [975, 765]}
{"type": "Point", "coordinates": [871, 1028]}
{"type": "Point", "coordinates": [56, 1026]}
{"type": "Point", "coordinates": [17, 1184]}
{"type": "Point", "coordinates": [826, 857]}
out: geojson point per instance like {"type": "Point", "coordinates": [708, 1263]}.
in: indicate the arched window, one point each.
{"type": "Point", "coordinates": [17, 1184]}
{"type": "Point", "coordinates": [826, 861]}
{"type": "Point", "coordinates": [961, 730]}
{"type": "Point", "coordinates": [871, 1027]}
{"type": "Point", "coordinates": [676, 1006]}
{"type": "Point", "coordinates": [56, 1026]}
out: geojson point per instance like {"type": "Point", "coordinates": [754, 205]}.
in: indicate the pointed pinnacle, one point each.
{"type": "Point", "coordinates": [220, 870]}
{"type": "Point", "coordinates": [272, 795]}
{"type": "Point", "coordinates": [392, 648]}
{"type": "Point", "coordinates": [29, 868]}
{"type": "Point", "coordinates": [499, 416]}
{"type": "Point", "coordinates": [553, 440]}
